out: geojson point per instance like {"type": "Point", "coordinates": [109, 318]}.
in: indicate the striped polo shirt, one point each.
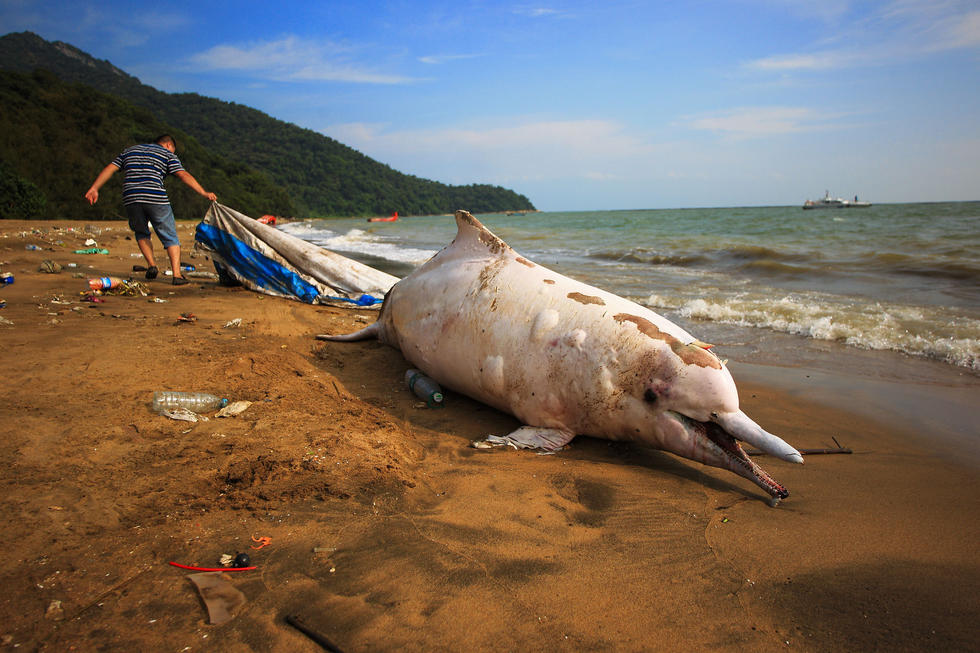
{"type": "Point", "coordinates": [145, 166]}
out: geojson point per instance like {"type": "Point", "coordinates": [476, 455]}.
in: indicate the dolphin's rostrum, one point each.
{"type": "Point", "coordinates": [566, 358]}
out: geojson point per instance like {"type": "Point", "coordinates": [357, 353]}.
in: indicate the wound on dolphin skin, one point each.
{"type": "Point", "coordinates": [690, 354]}
{"type": "Point", "coordinates": [586, 299]}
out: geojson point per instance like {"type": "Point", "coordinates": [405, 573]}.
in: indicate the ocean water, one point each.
{"type": "Point", "coordinates": [763, 281]}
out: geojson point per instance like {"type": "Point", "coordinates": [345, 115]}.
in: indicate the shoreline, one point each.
{"type": "Point", "coordinates": [389, 532]}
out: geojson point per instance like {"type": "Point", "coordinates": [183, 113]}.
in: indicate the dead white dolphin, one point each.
{"type": "Point", "coordinates": [566, 358]}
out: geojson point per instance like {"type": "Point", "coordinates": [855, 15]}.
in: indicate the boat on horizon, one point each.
{"type": "Point", "coordinates": [828, 202]}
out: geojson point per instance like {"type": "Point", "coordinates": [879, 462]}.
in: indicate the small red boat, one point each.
{"type": "Point", "coordinates": [390, 218]}
{"type": "Point", "coordinates": [268, 219]}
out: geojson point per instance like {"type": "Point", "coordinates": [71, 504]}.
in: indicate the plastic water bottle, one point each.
{"type": "Point", "coordinates": [424, 388]}
{"type": "Point", "coordinates": [198, 402]}
{"type": "Point", "coordinates": [7, 277]}
{"type": "Point", "coordinates": [32, 248]}
{"type": "Point", "coordinates": [104, 283]}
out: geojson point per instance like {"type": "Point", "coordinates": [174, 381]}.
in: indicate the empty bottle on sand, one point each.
{"type": "Point", "coordinates": [198, 402]}
{"type": "Point", "coordinates": [424, 388]}
{"type": "Point", "coordinates": [104, 283]}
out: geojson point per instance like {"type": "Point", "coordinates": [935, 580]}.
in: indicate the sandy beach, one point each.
{"type": "Point", "coordinates": [389, 532]}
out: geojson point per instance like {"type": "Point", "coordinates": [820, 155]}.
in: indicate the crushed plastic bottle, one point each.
{"type": "Point", "coordinates": [424, 388]}
{"type": "Point", "coordinates": [7, 277]}
{"type": "Point", "coordinates": [92, 250]}
{"type": "Point", "coordinates": [198, 402]}
{"type": "Point", "coordinates": [32, 248]}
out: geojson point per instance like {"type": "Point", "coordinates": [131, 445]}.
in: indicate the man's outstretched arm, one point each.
{"type": "Point", "coordinates": [188, 179]}
{"type": "Point", "coordinates": [92, 195]}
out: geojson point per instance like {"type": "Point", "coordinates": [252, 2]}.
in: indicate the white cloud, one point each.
{"type": "Point", "coordinates": [750, 122]}
{"type": "Point", "coordinates": [579, 149]}
{"type": "Point", "coordinates": [437, 59]}
{"type": "Point", "coordinates": [536, 12]}
{"type": "Point", "coordinates": [897, 31]}
{"type": "Point", "coordinates": [292, 58]}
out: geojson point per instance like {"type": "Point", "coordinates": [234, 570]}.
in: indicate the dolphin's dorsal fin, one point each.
{"type": "Point", "coordinates": [471, 231]}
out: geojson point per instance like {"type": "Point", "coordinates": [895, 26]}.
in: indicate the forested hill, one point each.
{"type": "Point", "coordinates": [67, 114]}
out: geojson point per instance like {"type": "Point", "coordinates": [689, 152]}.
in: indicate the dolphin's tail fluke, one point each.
{"type": "Point", "coordinates": [740, 426]}
{"type": "Point", "coordinates": [368, 332]}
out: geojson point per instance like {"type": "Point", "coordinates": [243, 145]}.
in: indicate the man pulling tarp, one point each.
{"type": "Point", "coordinates": [270, 261]}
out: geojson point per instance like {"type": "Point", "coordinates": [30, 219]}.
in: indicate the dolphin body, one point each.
{"type": "Point", "coordinates": [566, 358]}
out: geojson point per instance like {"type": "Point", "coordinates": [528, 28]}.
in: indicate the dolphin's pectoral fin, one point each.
{"type": "Point", "coordinates": [530, 437]}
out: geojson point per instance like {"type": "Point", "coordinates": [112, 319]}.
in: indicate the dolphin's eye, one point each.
{"type": "Point", "coordinates": [650, 396]}
{"type": "Point", "coordinates": [714, 415]}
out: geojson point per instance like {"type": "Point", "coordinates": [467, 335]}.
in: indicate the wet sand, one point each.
{"type": "Point", "coordinates": [389, 532]}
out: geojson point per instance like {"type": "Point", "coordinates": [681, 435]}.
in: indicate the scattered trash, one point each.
{"type": "Point", "coordinates": [225, 560]}
{"type": "Point", "coordinates": [234, 324]}
{"type": "Point", "coordinates": [92, 250]}
{"type": "Point", "coordinates": [92, 229]}
{"type": "Point", "coordinates": [4, 321]}
{"type": "Point", "coordinates": [192, 568]}
{"type": "Point", "coordinates": [424, 388]}
{"type": "Point", "coordinates": [157, 300]}
{"type": "Point", "coordinates": [129, 288]}
{"type": "Point", "coordinates": [183, 414]}
{"type": "Point", "coordinates": [201, 274]}
{"type": "Point", "coordinates": [91, 243]}
{"type": "Point", "coordinates": [298, 624]}
{"type": "Point", "coordinates": [187, 317]}
{"type": "Point", "coordinates": [493, 441]}
{"type": "Point", "coordinates": [262, 542]}
{"type": "Point", "coordinates": [32, 248]}
{"type": "Point", "coordinates": [54, 612]}
{"type": "Point", "coordinates": [234, 408]}
{"type": "Point", "coordinates": [7, 277]}
{"type": "Point", "coordinates": [3, 303]}
{"type": "Point", "coordinates": [50, 267]}
{"type": "Point", "coordinates": [220, 597]}
{"type": "Point", "coordinates": [197, 401]}
{"type": "Point", "coordinates": [95, 299]}
{"type": "Point", "coordinates": [71, 265]}
{"type": "Point", "coordinates": [241, 560]}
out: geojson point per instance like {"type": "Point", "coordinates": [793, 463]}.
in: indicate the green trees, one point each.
{"type": "Point", "coordinates": [19, 198]}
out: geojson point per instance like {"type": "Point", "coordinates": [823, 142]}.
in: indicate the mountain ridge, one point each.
{"type": "Point", "coordinates": [320, 176]}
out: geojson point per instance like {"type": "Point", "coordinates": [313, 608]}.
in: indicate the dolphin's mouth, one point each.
{"type": "Point", "coordinates": [731, 450]}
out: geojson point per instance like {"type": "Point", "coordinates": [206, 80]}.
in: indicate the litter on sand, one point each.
{"type": "Point", "coordinates": [183, 414]}
{"type": "Point", "coordinates": [221, 598]}
{"type": "Point", "coordinates": [234, 408]}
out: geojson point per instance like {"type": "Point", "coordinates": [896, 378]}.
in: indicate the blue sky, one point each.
{"type": "Point", "coordinates": [586, 105]}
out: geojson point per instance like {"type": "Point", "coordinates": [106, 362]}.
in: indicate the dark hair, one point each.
{"type": "Point", "coordinates": [166, 138]}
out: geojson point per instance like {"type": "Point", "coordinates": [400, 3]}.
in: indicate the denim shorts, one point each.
{"type": "Point", "coordinates": [161, 216]}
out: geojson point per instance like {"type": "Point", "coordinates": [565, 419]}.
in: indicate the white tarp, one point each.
{"type": "Point", "coordinates": [270, 261]}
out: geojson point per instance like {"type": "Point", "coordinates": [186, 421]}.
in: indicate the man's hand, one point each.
{"type": "Point", "coordinates": [92, 196]}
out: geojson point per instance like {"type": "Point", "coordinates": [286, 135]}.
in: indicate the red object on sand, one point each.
{"type": "Point", "coordinates": [269, 220]}
{"type": "Point", "coordinates": [177, 564]}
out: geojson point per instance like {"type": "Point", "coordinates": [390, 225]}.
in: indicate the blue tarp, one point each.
{"type": "Point", "coordinates": [267, 260]}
